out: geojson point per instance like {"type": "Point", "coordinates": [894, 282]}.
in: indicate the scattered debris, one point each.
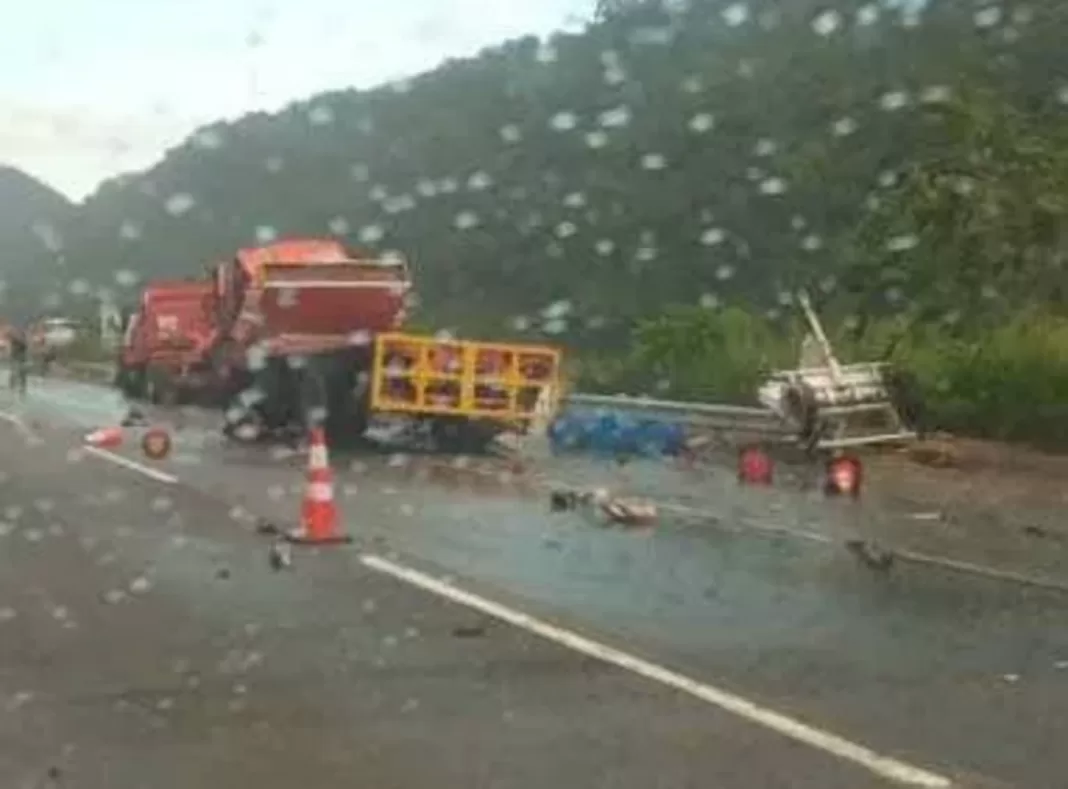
{"type": "Point", "coordinates": [872, 556]}
{"type": "Point", "coordinates": [280, 555]}
{"type": "Point", "coordinates": [265, 527]}
{"type": "Point", "coordinates": [469, 631]}
{"type": "Point", "coordinates": [1035, 531]}
{"type": "Point", "coordinates": [134, 418]}
{"type": "Point", "coordinates": [626, 512]}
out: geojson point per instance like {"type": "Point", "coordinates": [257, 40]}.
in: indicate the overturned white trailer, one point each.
{"type": "Point", "coordinates": [828, 405]}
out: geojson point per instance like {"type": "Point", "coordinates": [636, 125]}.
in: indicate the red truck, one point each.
{"type": "Point", "coordinates": [304, 324]}
{"type": "Point", "coordinates": [165, 339]}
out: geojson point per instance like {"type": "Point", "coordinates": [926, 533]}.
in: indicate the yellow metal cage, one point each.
{"type": "Point", "coordinates": [507, 382]}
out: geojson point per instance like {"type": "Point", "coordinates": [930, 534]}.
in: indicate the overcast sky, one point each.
{"type": "Point", "coordinates": [92, 88]}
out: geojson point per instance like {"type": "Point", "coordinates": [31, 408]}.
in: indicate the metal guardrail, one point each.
{"type": "Point", "coordinates": [713, 416]}
{"type": "Point", "coordinates": [756, 419]}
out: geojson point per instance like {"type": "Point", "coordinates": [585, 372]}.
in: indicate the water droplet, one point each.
{"type": "Point", "coordinates": [987, 17]}
{"type": "Point", "coordinates": [653, 161]}
{"type": "Point", "coordinates": [511, 133]}
{"type": "Point", "coordinates": [321, 116]}
{"type": "Point", "coordinates": [894, 100]}
{"type": "Point", "coordinates": [598, 139]}
{"type": "Point", "coordinates": [902, 243]}
{"type": "Point", "coordinates": [936, 94]}
{"type": "Point", "coordinates": [563, 121]}
{"type": "Point", "coordinates": [713, 236]}
{"type": "Point", "coordinates": [604, 247]}
{"type": "Point", "coordinates": [736, 14]}
{"type": "Point", "coordinates": [265, 234]}
{"type": "Point", "coordinates": [843, 127]}
{"type": "Point", "coordinates": [615, 118]}
{"type": "Point", "coordinates": [370, 234]}
{"type": "Point", "coordinates": [179, 204]}
{"type": "Point", "coordinates": [773, 186]}
{"type": "Point", "coordinates": [466, 220]}
{"type": "Point", "coordinates": [140, 585]}
{"type": "Point", "coordinates": [692, 84]}
{"type": "Point", "coordinates": [868, 15]}
{"type": "Point", "coordinates": [827, 23]}
{"type": "Point", "coordinates": [207, 139]}
{"type": "Point", "coordinates": [479, 181]}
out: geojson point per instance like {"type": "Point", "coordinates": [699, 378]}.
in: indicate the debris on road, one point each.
{"type": "Point", "coordinates": [105, 438]}
{"type": "Point", "coordinates": [280, 555]}
{"type": "Point", "coordinates": [871, 555]}
{"type": "Point", "coordinates": [469, 631]}
{"type": "Point", "coordinates": [616, 510]}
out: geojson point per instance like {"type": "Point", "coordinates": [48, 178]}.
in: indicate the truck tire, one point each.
{"type": "Point", "coordinates": [161, 387]}
{"type": "Point", "coordinates": [130, 381]}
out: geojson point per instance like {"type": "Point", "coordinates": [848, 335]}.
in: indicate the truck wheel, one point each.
{"type": "Point", "coordinates": [131, 381]}
{"type": "Point", "coordinates": [161, 388]}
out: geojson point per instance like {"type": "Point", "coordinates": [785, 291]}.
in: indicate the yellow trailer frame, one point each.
{"type": "Point", "coordinates": [512, 383]}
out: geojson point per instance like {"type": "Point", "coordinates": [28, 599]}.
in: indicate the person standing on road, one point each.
{"type": "Point", "coordinates": [19, 360]}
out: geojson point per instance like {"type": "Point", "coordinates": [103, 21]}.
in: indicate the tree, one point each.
{"type": "Point", "coordinates": [976, 226]}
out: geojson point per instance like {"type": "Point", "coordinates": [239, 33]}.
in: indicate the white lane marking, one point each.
{"type": "Point", "coordinates": [16, 421]}
{"type": "Point", "coordinates": [133, 465]}
{"type": "Point", "coordinates": [884, 766]}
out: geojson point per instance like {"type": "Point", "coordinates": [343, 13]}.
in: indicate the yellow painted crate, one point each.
{"type": "Point", "coordinates": [507, 382]}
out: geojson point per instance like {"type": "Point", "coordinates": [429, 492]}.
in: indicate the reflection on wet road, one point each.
{"type": "Point", "coordinates": [938, 668]}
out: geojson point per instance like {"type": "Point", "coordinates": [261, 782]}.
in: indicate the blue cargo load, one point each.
{"type": "Point", "coordinates": [615, 433]}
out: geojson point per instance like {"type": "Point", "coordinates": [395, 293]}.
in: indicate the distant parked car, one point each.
{"type": "Point", "coordinates": [57, 333]}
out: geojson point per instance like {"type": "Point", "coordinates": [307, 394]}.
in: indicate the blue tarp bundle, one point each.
{"type": "Point", "coordinates": [615, 433]}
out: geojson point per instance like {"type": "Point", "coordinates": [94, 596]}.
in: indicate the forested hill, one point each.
{"type": "Point", "coordinates": [895, 154]}
{"type": "Point", "coordinates": [30, 214]}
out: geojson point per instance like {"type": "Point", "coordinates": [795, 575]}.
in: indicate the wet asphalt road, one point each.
{"type": "Point", "coordinates": [333, 674]}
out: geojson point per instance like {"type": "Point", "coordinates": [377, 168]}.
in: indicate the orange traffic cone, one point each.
{"type": "Point", "coordinates": [755, 466]}
{"type": "Point", "coordinates": [319, 518]}
{"type": "Point", "coordinates": [105, 438]}
{"type": "Point", "coordinates": [845, 475]}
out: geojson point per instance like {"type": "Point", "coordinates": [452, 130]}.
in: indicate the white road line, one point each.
{"type": "Point", "coordinates": [22, 427]}
{"type": "Point", "coordinates": [884, 766]}
{"type": "Point", "coordinates": [133, 465]}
